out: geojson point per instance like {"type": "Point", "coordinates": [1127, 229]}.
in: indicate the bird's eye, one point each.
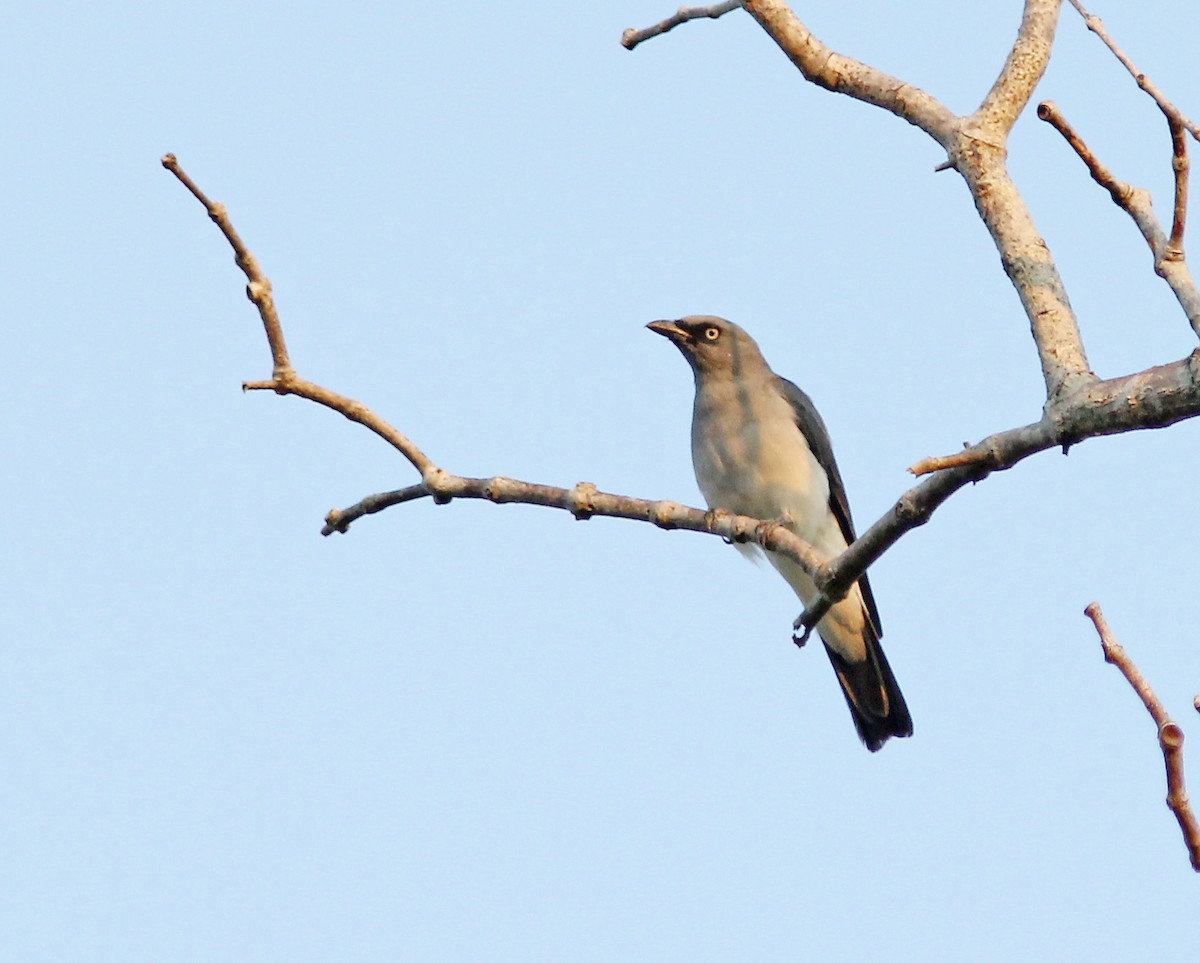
{"type": "Point", "coordinates": [711, 334]}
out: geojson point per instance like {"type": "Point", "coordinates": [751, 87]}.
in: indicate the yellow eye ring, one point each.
{"type": "Point", "coordinates": [711, 334]}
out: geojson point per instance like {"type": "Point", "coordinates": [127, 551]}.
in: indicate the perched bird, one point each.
{"type": "Point", "coordinates": [759, 448]}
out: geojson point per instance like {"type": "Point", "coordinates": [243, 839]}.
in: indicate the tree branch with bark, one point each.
{"type": "Point", "coordinates": [1170, 736]}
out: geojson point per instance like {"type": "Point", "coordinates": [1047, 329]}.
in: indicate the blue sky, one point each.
{"type": "Point", "coordinates": [471, 732]}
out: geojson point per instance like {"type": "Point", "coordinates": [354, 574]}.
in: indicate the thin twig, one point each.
{"type": "Point", "coordinates": [971, 455]}
{"type": "Point", "coordinates": [632, 36]}
{"type": "Point", "coordinates": [1170, 736]}
{"type": "Point", "coordinates": [1176, 122]}
{"type": "Point", "coordinates": [284, 380]}
{"type": "Point", "coordinates": [339, 519]}
{"type": "Point", "coordinates": [1121, 192]}
{"type": "Point", "coordinates": [1096, 26]}
{"type": "Point", "coordinates": [1169, 262]}
{"type": "Point", "coordinates": [258, 287]}
{"type": "Point", "coordinates": [1180, 165]}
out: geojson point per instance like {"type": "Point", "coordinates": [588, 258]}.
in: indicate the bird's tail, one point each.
{"type": "Point", "coordinates": [872, 694]}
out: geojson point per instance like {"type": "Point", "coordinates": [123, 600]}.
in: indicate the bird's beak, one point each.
{"type": "Point", "coordinates": [670, 330]}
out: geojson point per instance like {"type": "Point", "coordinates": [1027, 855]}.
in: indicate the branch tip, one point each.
{"type": "Point", "coordinates": [632, 36]}
{"type": "Point", "coordinates": [1170, 735]}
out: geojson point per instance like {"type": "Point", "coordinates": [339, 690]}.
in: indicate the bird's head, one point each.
{"type": "Point", "coordinates": [712, 345]}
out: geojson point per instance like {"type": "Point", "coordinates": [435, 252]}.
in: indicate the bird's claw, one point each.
{"type": "Point", "coordinates": [801, 639]}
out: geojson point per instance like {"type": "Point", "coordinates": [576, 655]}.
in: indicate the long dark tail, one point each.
{"type": "Point", "coordinates": [873, 696]}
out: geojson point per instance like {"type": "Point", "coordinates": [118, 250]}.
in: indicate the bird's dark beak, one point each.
{"type": "Point", "coordinates": [670, 330]}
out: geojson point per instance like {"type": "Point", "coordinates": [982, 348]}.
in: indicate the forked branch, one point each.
{"type": "Point", "coordinates": [1169, 261]}
{"type": "Point", "coordinates": [284, 380]}
{"type": "Point", "coordinates": [1172, 113]}
{"type": "Point", "coordinates": [1168, 249]}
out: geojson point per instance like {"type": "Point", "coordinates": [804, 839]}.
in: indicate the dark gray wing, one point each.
{"type": "Point", "coordinates": [812, 426]}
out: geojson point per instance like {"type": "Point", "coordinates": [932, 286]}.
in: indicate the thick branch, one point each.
{"type": "Point", "coordinates": [632, 37]}
{"type": "Point", "coordinates": [1154, 398]}
{"type": "Point", "coordinates": [1170, 736]}
{"type": "Point", "coordinates": [1029, 265]}
{"type": "Point", "coordinates": [845, 75]}
{"type": "Point", "coordinates": [1169, 262]}
{"type": "Point", "coordinates": [1023, 69]}
{"type": "Point", "coordinates": [976, 148]}
{"type": "Point", "coordinates": [980, 156]}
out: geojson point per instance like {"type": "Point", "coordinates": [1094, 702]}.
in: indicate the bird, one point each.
{"type": "Point", "coordinates": [760, 448]}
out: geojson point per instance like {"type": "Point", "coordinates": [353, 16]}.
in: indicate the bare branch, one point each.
{"type": "Point", "coordinates": [1177, 123]}
{"type": "Point", "coordinates": [1121, 192]}
{"type": "Point", "coordinates": [1170, 111]}
{"type": "Point", "coordinates": [1153, 398]}
{"type": "Point", "coordinates": [845, 75]}
{"type": "Point", "coordinates": [284, 380]}
{"type": "Point", "coordinates": [1170, 736]}
{"type": "Point", "coordinates": [1169, 262]}
{"type": "Point", "coordinates": [339, 519]}
{"type": "Point", "coordinates": [976, 148]}
{"type": "Point", "coordinates": [1027, 61]}
{"type": "Point", "coordinates": [585, 501]}
{"type": "Point", "coordinates": [258, 287]}
{"type": "Point", "coordinates": [971, 455]}
{"type": "Point", "coordinates": [1180, 165]}
{"type": "Point", "coordinates": [980, 155]}
{"type": "Point", "coordinates": [1029, 265]}
{"type": "Point", "coordinates": [632, 37]}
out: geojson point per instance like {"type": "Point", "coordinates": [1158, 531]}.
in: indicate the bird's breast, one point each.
{"type": "Point", "coordinates": [751, 458]}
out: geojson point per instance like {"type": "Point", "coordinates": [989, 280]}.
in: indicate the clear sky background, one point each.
{"type": "Point", "coordinates": [494, 733]}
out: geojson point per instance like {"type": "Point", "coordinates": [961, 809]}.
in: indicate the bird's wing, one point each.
{"type": "Point", "coordinates": [812, 426]}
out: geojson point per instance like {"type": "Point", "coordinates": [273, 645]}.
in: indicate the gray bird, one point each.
{"type": "Point", "coordinates": [759, 448]}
